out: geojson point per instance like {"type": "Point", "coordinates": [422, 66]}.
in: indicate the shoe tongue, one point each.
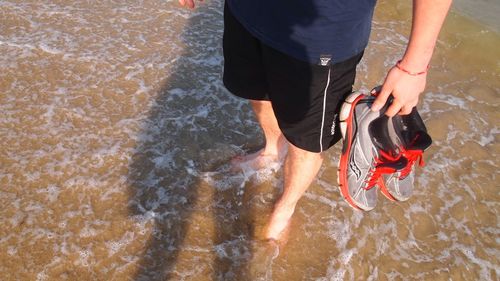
{"type": "Point", "coordinates": [412, 131]}
{"type": "Point", "coordinates": [398, 164]}
{"type": "Point", "coordinates": [379, 134]}
{"type": "Point", "coordinates": [419, 141]}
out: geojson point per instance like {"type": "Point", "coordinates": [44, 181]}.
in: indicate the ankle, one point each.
{"type": "Point", "coordinates": [274, 149]}
{"type": "Point", "coordinates": [285, 206]}
{"type": "Point", "coordinates": [269, 150]}
{"type": "Point", "coordinates": [277, 147]}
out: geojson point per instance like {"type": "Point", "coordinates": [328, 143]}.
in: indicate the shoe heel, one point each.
{"type": "Point", "coordinates": [346, 106]}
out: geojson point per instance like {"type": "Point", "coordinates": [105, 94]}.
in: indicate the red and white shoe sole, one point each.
{"type": "Point", "coordinates": [346, 119]}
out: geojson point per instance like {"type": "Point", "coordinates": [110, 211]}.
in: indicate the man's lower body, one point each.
{"type": "Point", "coordinates": [295, 102]}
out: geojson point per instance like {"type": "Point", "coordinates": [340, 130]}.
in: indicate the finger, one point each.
{"type": "Point", "coordinates": [190, 3]}
{"type": "Point", "coordinates": [394, 108]}
{"type": "Point", "coordinates": [381, 98]}
{"type": "Point", "coordinates": [376, 90]}
{"type": "Point", "coordinates": [405, 110]}
{"type": "Point", "coordinates": [182, 2]}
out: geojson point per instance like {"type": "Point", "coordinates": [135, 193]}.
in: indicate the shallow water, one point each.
{"type": "Point", "coordinates": [116, 132]}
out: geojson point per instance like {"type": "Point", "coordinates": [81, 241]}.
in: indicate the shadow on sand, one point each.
{"type": "Point", "coordinates": [204, 224]}
{"type": "Point", "coordinates": [198, 229]}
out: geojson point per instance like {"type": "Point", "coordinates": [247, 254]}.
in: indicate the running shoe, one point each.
{"type": "Point", "coordinates": [409, 133]}
{"type": "Point", "coordinates": [367, 151]}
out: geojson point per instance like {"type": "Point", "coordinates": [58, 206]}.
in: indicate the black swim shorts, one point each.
{"type": "Point", "coordinates": [306, 98]}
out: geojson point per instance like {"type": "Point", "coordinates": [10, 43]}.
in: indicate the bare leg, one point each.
{"type": "Point", "coordinates": [275, 147]}
{"type": "Point", "coordinates": [301, 167]}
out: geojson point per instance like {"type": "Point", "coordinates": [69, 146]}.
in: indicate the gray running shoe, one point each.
{"type": "Point", "coordinates": [367, 151]}
{"type": "Point", "coordinates": [409, 133]}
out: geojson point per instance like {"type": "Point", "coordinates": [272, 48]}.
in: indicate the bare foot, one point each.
{"type": "Point", "coordinates": [263, 158]}
{"type": "Point", "coordinates": [259, 267]}
{"type": "Point", "coordinates": [279, 222]}
{"type": "Point", "coordinates": [255, 161]}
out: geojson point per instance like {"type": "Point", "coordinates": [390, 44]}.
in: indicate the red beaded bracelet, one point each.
{"type": "Point", "coordinates": [398, 65]}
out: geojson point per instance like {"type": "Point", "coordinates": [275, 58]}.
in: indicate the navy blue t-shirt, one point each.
{"type": "Point", "coordinates": [308, 29]}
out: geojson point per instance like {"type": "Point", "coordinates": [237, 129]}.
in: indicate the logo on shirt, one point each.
{"type": "Point", "coordinates": [324, 60]}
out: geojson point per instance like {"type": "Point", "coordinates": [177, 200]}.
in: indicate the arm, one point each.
{"type": "Point", "coordinates": [428, 17]}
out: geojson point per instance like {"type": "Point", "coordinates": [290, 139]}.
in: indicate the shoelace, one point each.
{"type": "Point", "coordinates": [412, 156]}
{"type": "Point", "coordinates": [378, 170]}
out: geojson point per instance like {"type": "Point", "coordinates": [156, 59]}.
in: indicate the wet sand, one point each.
{"type": "Point", "coordinates": [116, 133]}
{"type": "Point", "coordinates": [483, 11]}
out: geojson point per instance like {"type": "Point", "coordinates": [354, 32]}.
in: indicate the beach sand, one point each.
{"type": "Point", "coordinates": [483, 11]}
{"type": "Point", "coordinates": [116, 132]}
